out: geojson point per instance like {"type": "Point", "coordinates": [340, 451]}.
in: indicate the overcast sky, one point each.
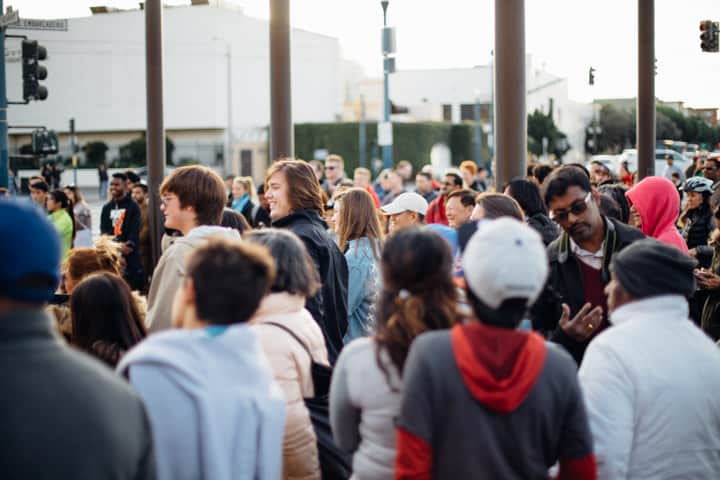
{"type": "Point", "coordinates": [566, 36]}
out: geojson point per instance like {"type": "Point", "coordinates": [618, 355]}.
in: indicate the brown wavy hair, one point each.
{"type": "Point", "coordinates": [358, 218]}
{"type": "Point", "coordinates": [304, 192]}
{"type": "Point", "coordinates": [418, 292]}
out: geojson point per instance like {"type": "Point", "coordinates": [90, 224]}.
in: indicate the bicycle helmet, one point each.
{"type": "Point", "coordinates": [698, 184]}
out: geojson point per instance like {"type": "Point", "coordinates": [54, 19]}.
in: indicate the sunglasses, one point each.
{"type": "Point", "coordinates": [330, 167]}
{"type": "Point", "coordinates": [577, 208]}
{"type": "Point", "coordinates": [708, 167]}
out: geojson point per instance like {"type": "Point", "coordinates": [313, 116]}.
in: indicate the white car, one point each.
{"type": "Point", "coordinates": [630, 156]}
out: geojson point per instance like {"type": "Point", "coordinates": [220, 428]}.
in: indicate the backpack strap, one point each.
{"type": "Point", "coordinates": [292, 334]}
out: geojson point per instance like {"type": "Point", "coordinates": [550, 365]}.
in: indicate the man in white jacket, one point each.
{"type": "Point", "coordinates": [652, 382]}
{"type": "Point", "coordinates": [192, 199]}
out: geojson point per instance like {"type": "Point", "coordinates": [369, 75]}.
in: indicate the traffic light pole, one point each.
{"type": "Point", "coordinates": [4, 179]}
{"type": "Point", "coordinates": [646, 89]}
{"type": "Point", "coordinates": [510, 111]}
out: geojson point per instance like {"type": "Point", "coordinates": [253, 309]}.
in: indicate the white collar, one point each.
{"type": "Point", "coordinates": [581, 252]}
{"type": "Point", "coordinates": [661, 307]}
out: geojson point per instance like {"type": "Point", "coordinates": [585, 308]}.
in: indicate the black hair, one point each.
{"type": "Point", "coordinates": [121, 176]}
{"type": "Point", "coordinates": [104, 310]}
{"type": "Point", "coordinates": [540, 172]}
{"type": "Point", "coordinates": [557, 184]}
{"type": "Point", "coordinates": [261, 189]}
{"type": "Point", "coordinates": [141, 186]}
{"type": "Point", "coordinates": [295, 271]}
{"type": "Point", "coordinates": [61, 197]}
{"type": "Point", "coordinates": [236, 220]}
{"type": "Point", "coordinates": [617, 192]}
{"type": "Point", "coordinates": [132, 176]}
{"type": "Point", "coordinates": [609, 207]}
{"type": "Point", "coordinates": [527, 194]}
{"type": "Point", "coordinates": [456, 178]}
{"type": "Point", "coordinates": [425, 174]}
{"type": "Point", "coordinates": [40, 185]}
{"type": "Point", "coordinates": [508, 315]}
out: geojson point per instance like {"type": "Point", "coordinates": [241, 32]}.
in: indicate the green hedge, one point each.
{"type": "Point", "coordinates": [412, 141]}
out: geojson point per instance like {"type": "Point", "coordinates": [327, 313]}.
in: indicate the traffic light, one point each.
{"type": "Point", "coordinates": [591, 76]}
{"type": "Point", "coordinates": [709, 36]}
{"type": "Point", "coordinates": [44, 142]}
{"type": "Point", "coordinates": [33, 72]}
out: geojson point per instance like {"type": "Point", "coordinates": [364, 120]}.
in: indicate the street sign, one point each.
{"type": "Point", "coordinates": [384, 134]}
{"type": "Point", "coordinates": [59, 25]}
{"type": "Point", "coordinates": [9, 18]}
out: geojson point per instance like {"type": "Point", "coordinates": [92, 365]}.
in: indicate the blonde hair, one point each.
{"type": "Point", "coordinates": [249, 186]}
{"type": "Point", "coordinates": [103, 257]}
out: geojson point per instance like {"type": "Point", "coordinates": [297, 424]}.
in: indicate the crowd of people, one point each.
{"type": "Point", "coordinates": [321, 326]}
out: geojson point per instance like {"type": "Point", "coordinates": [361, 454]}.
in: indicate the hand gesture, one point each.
{"type": "Point", "coordinates": [583, 324]}
{"type": "Point", "coordinates": [707, 279]}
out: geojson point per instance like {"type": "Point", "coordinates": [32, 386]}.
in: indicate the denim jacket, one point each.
{"type": "Point", "coordinates": [363, 287]}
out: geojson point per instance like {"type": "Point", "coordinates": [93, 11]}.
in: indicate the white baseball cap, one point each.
{"type": "Point", "coordinates": [406, 202]}
{"type": "Point", "coordinates": [505, 259]}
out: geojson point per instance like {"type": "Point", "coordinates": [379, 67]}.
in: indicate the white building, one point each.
{"type": "Point", "coordinates": [216, 82]}
{"type": "Point", "coordinates": [450, 95]}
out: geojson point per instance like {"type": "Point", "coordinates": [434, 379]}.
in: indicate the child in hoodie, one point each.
{"type": "Point", "coordinates": [192, 200]}
{"type": "Point", "coordinates": [487, 400]}
{"type": "Point", "coordinates": [214, 409]}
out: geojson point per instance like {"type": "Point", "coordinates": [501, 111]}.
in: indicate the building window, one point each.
{"type": "Point", "coordinates": [447, 113]}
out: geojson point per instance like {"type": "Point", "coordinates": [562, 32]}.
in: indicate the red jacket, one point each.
{"type": "Point", "coordinates": [436, 211]}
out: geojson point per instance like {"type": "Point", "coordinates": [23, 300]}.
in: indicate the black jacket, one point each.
{"type": "Point", "coordinates": [122, 220]}
{"type": "Point", "coordinates": [64, 414]}
{"type": "Point", "coordinates": [261, 217]}
{"type": "Point", "coordinates": [547, 229]}
{"type": "Point", "coordinates": [701, 224]}
{"type": "Point", "coordinates": [329, 306]}
{"type": "Point", "coordinates": [565, 284]}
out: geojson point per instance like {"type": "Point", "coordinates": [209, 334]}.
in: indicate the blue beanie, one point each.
{"type": "Point", "coordinates": [29, 252]}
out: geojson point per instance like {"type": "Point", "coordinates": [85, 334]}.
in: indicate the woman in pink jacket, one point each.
{"type": "Point", "coordinates": [296, 280]}
{"type": "Point", "coordinates": [654, 209]}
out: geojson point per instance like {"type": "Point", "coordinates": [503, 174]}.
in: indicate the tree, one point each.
{"type": "Point", "coordinates": [95, 153]}
{"type": "Point", "coordinates": [134, 153]}
{"type": "Point", "coordinates": [541, 125]}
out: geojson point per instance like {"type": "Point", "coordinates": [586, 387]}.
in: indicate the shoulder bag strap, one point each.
{"type": "Point", "coordinates": [292, 334]}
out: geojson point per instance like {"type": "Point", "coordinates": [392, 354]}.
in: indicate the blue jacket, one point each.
{"type": "Point", "coordinates": [363, 286]}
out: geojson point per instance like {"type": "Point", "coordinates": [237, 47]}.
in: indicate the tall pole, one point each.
{"type": "Point", "coordinates": [491, 139]}
{"type": "Point", "coordinates": [155, 136]}
{"type": "Point", "coordinates": [73, 150]}
{"type": "Point", "coordinates": [4, 180]}
{"type": "Point", "coordinates": [281, 127]}
{"type": "Point", "coordinates": [362, 137]}
{"type": "Point", "coordinates": [646, 89]}
{"type": "Point", "coordinates": [229, 150]}
{"type": "Point", "coordinates": [511, 118]}
{"type": "Point", "coordinates": [387, 150]}
{"type": "Point", "coordinates": [478, 132]}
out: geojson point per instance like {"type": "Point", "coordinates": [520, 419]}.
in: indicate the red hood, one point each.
{"type": "Point", "coordinates": [498, 365]}
{"type": "Point", "coordinates": [657, 201]}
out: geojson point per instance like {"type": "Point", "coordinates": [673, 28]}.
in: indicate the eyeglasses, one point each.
{"type": "Point", "coordinates": [165, 199]}
{"type": "Point", "coordinates": [449, 184]}
{"type": "Point", "coordinates": [330, 167]}
{"type": "Point", "coordinates": [709, 167]}
{"type": "Point", "coordinates": [577, 208]}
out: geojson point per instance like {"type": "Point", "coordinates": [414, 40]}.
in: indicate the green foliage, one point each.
{"type": "Point", "coordinates": [411, 141]}
{"type": "Point", "coordinates": [95, 153]}
{"type": "Point", "coordinates": [540, 125]}
{"type": "Point", "coordinates": [134, 153]}
{"type": "Point", "coordinates": [619, 132]}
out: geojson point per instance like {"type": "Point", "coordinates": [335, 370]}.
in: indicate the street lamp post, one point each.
{"type": "Point", "coordinates": [387, 149]}
{"type": "Point", "coordinates": [478, 129]}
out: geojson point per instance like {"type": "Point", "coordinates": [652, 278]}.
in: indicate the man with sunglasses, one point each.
{"type": "Point", "coordinates": [436, 211]}
{"type": "Point", "coordinates": [334, 173]}
{"type": "Point", "coordinates": [574, 306]}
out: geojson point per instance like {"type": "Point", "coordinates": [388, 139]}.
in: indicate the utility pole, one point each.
{"type": "Point", "coordinates": [385, 135]}
{"type": "Point", "coordinates": [3, 113]}
{"type": "Point", "coordinates": [646, 89]}
{"type": "Point", "coordinates": [73, 149]}
{"type": "Point", "coordinates": [510, 110]}
{"type": "Point", "coordinates": [155, 136]}
{"type": "Point", "coordinates": [362, 137]}
{"type": "Point", "coordinates": [281, 127]}
{"type": "Point", "coordinates": [478, 130]}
